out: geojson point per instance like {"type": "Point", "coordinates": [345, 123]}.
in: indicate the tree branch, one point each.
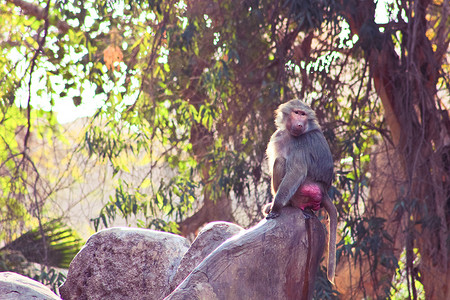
{"type": "Point", "coordinates": [40, 13]}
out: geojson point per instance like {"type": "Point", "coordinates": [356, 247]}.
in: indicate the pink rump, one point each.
{"type": "Point", "coordinates": [314, 193]}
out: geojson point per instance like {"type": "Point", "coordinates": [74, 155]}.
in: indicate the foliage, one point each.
{"type": "Point", "coordinates": [14, 261]}
{"type": "Point", "coordinates": [51, 278]}
{"type": "Point", "coordinates": [187, 89]}
{"type": "Point", "coordinates": [61, 244]}
{"type": "Point", "coordinates": [323, 288]}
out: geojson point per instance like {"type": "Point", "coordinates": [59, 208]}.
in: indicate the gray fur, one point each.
{"type": "Point", "coordinates": [294, 160]}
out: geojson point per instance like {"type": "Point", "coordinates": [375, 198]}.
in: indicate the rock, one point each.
{"type": "Point", "coordinates": [276, 259]}
{"type": "Point", "coordinates": [124, 263]}
{"type": "Point", "coordinates": [14, 286]}
{"type": "Point", "coordinates": [208, 239]}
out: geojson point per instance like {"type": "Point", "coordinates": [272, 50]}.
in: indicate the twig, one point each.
{"type": "Point", "coordinates": [40, 14]}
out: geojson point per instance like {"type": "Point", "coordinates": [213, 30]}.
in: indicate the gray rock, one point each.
{"type": "Point", "coordinates": [124, 263]}
{"type": "Point", "coordinates": [276, 259]}
{"type": "Point", "coordinates": [208, 239]}
{"type": "Point", "coordinates": [14, 286]}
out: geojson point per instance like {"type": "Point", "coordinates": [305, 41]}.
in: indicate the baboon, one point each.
{"type": "Point", "coordinates": [301, 166]}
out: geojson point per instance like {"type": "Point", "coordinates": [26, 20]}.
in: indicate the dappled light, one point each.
{"type": "Point", "coordinates": [157, 115]}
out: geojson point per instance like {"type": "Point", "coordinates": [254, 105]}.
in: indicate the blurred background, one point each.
{"type": "Point", "coordinates": [157, 114]}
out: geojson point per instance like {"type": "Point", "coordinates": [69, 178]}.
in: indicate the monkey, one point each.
{"type": "Point", "coordinates": [301, 166]}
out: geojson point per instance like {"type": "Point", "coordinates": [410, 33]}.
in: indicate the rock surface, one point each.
{"type": "Point", "coordinates": [124, 263]}
{"type": "Point", "coordinates": [276, 259]}
{"type": "Point", "coordinates": [208, 239]}
{"type": "Point", "coordinates": [14, 286]}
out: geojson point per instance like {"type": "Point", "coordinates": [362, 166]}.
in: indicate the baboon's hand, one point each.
{"type": "Point", "coordinates": [272, 215]}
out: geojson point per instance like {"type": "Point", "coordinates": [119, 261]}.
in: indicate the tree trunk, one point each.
{"type": "Point", "coordinates": [413, 134]}
{"type": "Point", "coordinates": [357, 280]}
{"type": "Point", "coordinates": [220, 210]}
{"type": "Point", "coordinates": [406, 86]}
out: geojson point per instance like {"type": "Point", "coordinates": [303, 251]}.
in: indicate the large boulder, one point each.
{"type": "Point", "coordinates": [14, 286]}
{"type": "Point", "coordinates": [124, 263]}
{"type": "Point", "coordinates": [208, 239]}
{"type": "Point", "coordinates": [277, 259]}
